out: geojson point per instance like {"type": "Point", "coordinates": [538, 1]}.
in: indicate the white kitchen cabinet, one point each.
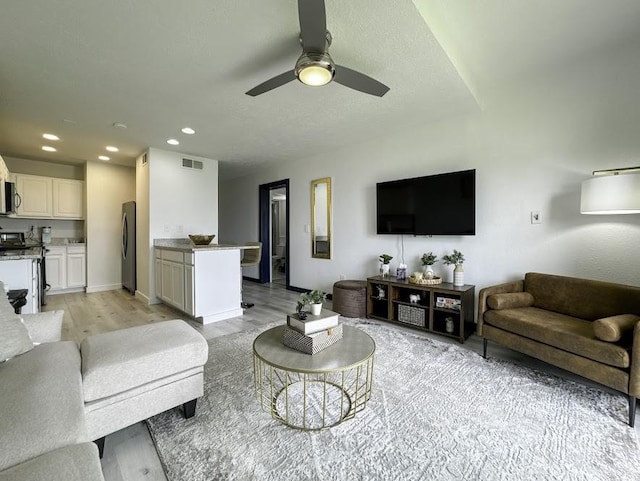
{"type": "Point", "coordinates": [76, 266]}
{"type": "Point", "coordinates": [188, 289]}
{"type": "Point", "coordinates": [49, 198]}
{"type": "Point", "coordinates": [36, 196]}
{"type": "Point", "coordinates": [66, 267]}
{"type": "Point", "coordinates": [68, 198]}
{"type": "Point", "coordinates": [56, 265]}
{"type": "Point", "coordinates": [171, 280]}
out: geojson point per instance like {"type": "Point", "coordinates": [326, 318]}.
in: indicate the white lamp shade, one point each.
{"type": "Point", "coordinates": [611, 194]}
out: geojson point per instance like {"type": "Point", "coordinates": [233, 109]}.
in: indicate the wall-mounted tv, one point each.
{"type": "Point", "coordinates": [442, 204]}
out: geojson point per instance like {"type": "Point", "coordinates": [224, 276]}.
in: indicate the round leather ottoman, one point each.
{"type": "Point", "coordinates": [350, 298]}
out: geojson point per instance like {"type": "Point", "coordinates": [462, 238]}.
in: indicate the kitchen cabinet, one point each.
{"type": "Point", "coordinates": [66, 267]}
{"type": "Point", "coordinates": [68, 198]}
{"type": "Point", "coordinates": [56, 264]}
{"type": "Point", "coordinates": [171, 283]}
{"type": "Point", "coordinates": [50, 198]}
{"type": "Point", "coordinates": [36, 196]}
{"type": "Point", "coordinates": [76, 266]}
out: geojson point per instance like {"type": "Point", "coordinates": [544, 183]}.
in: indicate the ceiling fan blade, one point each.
{"type": "Point", "coordinates": [359, 81]}
{"type": "Point", "coordinates": [313, 25]}
{"type": "Point", "coordinates": [272, 83]}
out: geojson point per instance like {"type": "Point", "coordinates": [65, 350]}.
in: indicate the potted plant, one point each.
{"type": "Point", "coordinates": [384, 266]}
{"type": "Point", "coordinates": [456, 259]}
{"type": "Point", "coordinates": [315, 299]}
{"type": "Point", "coordinates": [428, 260]}
{"type": "Point", "coordinates": [302, 314]}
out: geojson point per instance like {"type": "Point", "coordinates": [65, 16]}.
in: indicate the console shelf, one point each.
{"type": "Point", "coordinates": [441, 308]}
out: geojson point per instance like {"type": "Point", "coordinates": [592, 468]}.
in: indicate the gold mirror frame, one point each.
{"type": "Point", "coordinates": [321, 218]}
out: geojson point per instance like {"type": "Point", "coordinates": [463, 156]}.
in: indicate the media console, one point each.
{"type": "Point", "coordinates": [441, 308]}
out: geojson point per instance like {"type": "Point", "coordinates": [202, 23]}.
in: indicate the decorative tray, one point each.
{"type": "Point", "coordinates": [424, 281]}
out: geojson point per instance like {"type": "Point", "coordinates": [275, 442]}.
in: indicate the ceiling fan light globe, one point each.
{"type": "Point", "coordinates": [315, 75]}
{"type": "Point", "coordinates": [315, 69]}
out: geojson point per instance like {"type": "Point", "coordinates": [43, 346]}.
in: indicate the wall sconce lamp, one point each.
{"type": "Point", "coordinates": [613, 191]}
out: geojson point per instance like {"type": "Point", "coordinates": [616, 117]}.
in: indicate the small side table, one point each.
{"type": "Point", "coordinates": [313, 392]}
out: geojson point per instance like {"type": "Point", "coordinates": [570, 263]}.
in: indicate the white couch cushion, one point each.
{"type": "Point", "coordinates": [41, 402]}
{"type": "Point", "coordinates": [78, 462]}
{"type": "Point", "coordinates": [14, 336]}
{"type": "Point", "coordinates": [117, 361]}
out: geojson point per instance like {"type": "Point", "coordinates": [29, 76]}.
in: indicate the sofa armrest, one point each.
{"type": "Point", "coordinates": [515, 286]}
{"type": "Point", "coordinates": [634, 373]}
{"type": "Point", "coordinates": [44, 326]}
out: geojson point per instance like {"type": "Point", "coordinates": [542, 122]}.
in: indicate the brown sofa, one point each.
{"type": "Point", "coordinates": [590, 328]}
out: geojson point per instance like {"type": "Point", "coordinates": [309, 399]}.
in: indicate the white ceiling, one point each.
{"type": "Point", "coordinates": [161, 65]}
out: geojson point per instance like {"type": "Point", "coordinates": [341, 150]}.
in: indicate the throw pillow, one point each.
{"type": "Point", "coordinates": [14, 336]}
{"type": "Point", "coordinates": [611, 329]}
{"type": "Point", "coordinates": [44, 326]}
{"type": "Point", "coordinates": [510, 300]}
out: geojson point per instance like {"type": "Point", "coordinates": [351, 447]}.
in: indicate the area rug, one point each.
{"type": "Point", "coordinates": [437, 412]}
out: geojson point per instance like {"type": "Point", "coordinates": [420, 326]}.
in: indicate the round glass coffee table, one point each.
{"type": "Point", "coordinates": [317, 391]}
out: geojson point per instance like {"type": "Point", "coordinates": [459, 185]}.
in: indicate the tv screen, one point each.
{"type": "Point", "coordinates": [442, 204]}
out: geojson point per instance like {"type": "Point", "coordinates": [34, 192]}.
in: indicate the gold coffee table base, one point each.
{"type": "Point", "coordinates": [313, 392]}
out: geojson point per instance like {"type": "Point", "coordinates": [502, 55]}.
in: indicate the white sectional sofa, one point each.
{"type": "Point", "coordinates": [47, 425]}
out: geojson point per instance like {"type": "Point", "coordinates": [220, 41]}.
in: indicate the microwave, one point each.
{"type": "Point", "coordinates": [9, 198]}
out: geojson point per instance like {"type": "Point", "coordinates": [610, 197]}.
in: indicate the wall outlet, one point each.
{"type": "Point", "coordinates": [342, 277]}
{"type": "Point", "coordinates": [535, 217]}
{"type": "Point", "coordinates": [180, 229]}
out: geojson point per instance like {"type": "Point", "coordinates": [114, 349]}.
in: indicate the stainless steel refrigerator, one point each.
{"type": "Point", "coordinates": [129, 246]}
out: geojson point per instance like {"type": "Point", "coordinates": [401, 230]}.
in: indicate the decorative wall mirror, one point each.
{"type": "Point", "coordinates": [321, 218]}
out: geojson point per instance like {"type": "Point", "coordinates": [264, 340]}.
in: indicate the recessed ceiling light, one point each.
{"type": "Point", "coordinates": [173, 142]}
{"type": "Point", "coordinates": [50, 137]}
{"type": "Point", "coordinates": [188, 130]}
{"type": "Point", "coordinates": [111, 148]}
{"type": "Point", "coordinates": [69, 121]}
{"type": "Point", "coordinates": [119, 125]}
{"type": "Point", "coordinates": [104, 157]}
{"type": "Point", "coordinates": [48, 148]}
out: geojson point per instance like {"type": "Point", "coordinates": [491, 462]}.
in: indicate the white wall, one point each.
{"type": "Point", "coordinates": [532, 146]}
{"type": "Point", "coordinates": [48, 169]}
{"type": "Point", "coordinates": [142, 228]}
{"type": "Point", "coordinates": [107, 188]}
{"type": "Point", "coordinates": [181, 201]}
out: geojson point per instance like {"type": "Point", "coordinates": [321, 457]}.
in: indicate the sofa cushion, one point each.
{"type": "Point", "coordinates": [78, 462]}
{"type": "Point", "coordinates": [44, 326]}
{"type": "Point", "coordinates": [43, 409]}
{"type": "Point", "coordinates": [564, 332]}
{"type": "Point", "coordinates": [510, 300]}
{"type": "Point", "coordinates": [611, 329]}
{"type": "Point", "coordinates": [117, 361]}
{"type": "Point", "coordinates": [14, 336]}
{"type": "Point", "coordinates": [582, 298]}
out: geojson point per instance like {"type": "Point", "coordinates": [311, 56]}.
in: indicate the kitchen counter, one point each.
{"type": "Point", "coordinates": [185, 245]}
{"type": "Point", "coordinates": [13, 255]}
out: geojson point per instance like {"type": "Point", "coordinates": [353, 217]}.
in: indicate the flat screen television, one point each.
{"type": "Point", "coordinates": [442, 204]}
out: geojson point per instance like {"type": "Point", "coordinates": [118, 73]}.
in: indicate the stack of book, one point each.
{"type": "Point", "coordinates": [313, 334]}
{"type": "Point", "coordinates": [448, 303]}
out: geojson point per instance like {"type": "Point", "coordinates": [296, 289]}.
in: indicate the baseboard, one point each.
{"type": "Point", "coordinates": [104, 287]}
{"type": "Point", "coordinates": [144, 298]}
{"type": "Point", "coordinates": [70, 290]}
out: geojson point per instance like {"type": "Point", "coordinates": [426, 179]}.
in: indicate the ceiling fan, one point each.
{"type": "Point", "coordinates": [315, 67]}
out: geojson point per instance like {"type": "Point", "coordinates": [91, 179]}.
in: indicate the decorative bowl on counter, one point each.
{"type": "Point", "coordinates": [201, 239]}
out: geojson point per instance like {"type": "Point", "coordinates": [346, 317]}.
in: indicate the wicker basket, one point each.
{"type": "Point", "coordinates": [424, 281]}
{"type": "Point", "coordinates": [411, 315]}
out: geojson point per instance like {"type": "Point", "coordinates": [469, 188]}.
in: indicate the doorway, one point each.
{"type": "Point", "coordinates": [274, 232]}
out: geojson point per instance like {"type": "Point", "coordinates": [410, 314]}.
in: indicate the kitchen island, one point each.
{"type": "Point", "coordinates": [203, 281]}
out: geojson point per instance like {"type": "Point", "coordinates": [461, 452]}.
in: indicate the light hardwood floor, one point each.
{"type": "Point", "coordinates": [130, 454]}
